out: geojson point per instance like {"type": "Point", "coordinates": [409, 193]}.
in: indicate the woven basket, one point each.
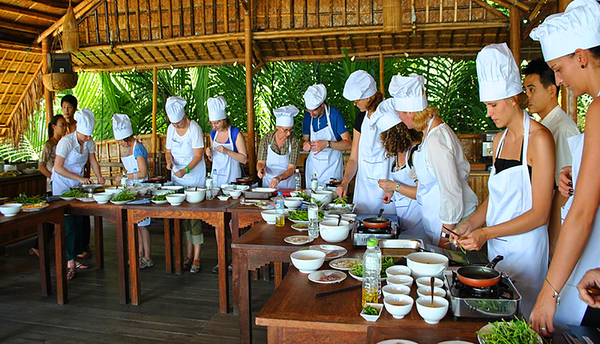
{"type": "Point", "coordinates": [59, 81]}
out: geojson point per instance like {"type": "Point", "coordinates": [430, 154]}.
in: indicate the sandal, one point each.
{"type": "Point", "coordinates": [84, 255]}
{"type": "Point", "coordinates": [34, 252]}
{"type": "Point", "coordinates": [71, 274]}
{"type": "Point", "coordinates": [187, 262]}
{"type": "Point", "coordinates": [81, 266]}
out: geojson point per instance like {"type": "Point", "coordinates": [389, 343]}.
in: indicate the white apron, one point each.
{"type": "Point", "coordinates": [225, 168]}
{"type": "Point", "coordinates": [571, 309]}
{"type": "Point", "coordinates": [277, 164]}
{"type": "Point", "coordinates": [183, 154]}
{"type": "Point", "coordinates": [372, 166]}
{"type": "Point", "coordinates": [525, 254]}
{"type": "Point", "coordinates": [328, 163]}
{"type": "Point", "coordinates": [74, 163]}
{"type": "Point", "coordinates": [131, 166]}
{"type": "Point", "coordinates": [407, 209]}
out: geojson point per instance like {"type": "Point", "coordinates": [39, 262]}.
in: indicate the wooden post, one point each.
{"type": "Point", "coordinates": [381, 75]}
{"type": "Point", "coordinates": [154, 108]}
{"type": "Point", "coordinates": [515, 34]}
{"type": "Point", "coordinates": [48, 95]}
{"type": "Point", "coordinates": [249, 87]}
{"type": "Point", "coordinates": [567, 99]}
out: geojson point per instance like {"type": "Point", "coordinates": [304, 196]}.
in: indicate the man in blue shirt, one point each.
{"type": "Point", "coordinates": [325, 136]}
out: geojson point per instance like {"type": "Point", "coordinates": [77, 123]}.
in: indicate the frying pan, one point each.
{"type": "Point", "coordinates": [480, 276]}
{"type": "Point", "coordinates": [376, 222]}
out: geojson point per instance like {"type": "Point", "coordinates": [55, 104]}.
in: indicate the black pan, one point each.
{"type": "Point", "coordinates": [480, 276]}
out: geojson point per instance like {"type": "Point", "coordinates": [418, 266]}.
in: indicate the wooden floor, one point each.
{"type": "Point", "coordinates": [174, 309]}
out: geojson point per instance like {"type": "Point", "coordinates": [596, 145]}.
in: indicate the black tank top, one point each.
{"type": "Point", "coordinates": [502, 164]}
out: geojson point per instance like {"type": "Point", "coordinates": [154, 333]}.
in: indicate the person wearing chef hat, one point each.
{"type": "Point", "coordinates": [368, 160]}
{"type": "Point", "coordinates": [228, 146]}
{"type": "Point", "coordinates": [135, 163]}
{"type": "Point", "coordinates": [571, 46]}
{"type": "Point", "coordinates": [399, 143]}
{"type": "Point", "coordinates": [73, 151]}
{"type": "Point", "coordinates": [439, 163]}
{"type": "Point", "coordinates": [325, 136]}
{"type": "Point", "coordinates": [513, 219]}
{"type": "Point", "coordinates": [279, 150]}
{"type": "Point", "coordinates": [184, 155]}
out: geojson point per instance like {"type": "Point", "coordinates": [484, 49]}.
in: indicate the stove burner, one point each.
{"type": "Point", "coordinates": [500, 291]}
{"type": "Point", "coordinates": [361, 233]}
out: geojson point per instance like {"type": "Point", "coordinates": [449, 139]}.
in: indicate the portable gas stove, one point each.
{"type": "Point", "coordinates": [499, 301]}
{"type": "Point", "coordinates": [361, 234]}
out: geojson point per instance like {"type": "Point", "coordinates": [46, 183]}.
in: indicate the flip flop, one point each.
{"type": "Point", "coordinates": [71, 274]}
{"type": "Point", "coordinates": [84, 255]}
{"type": "Point", "coordinates": [81, 266]}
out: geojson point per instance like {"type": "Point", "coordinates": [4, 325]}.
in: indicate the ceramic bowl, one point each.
{"type": "Point", "coordinates": [432, 315]}
{"type": "Point", "coordinates": [400, 279]}
{"type": "Point", "coordinates": [223, 197]}
{"type": "Point", "coordinates": [159, 192]}
{"type": "Point", "coordinates": [194, 195]}
{"type": "Point", "coordinates": [175, 199]}
{"type": "Point", "coordinates": [371, 317]}
{"type": "Point", "coordinates": [398, 270]}
{"type": "Point", "coordinates": [242, 187]}
{"type": "Point", "coordinates": [307, 261]}
{"type": "Point", "coordinates": [395, 289]}
{"type": "Point", "coordinates": [426, 292]}
{"type": "Point", "coordinates": [227, 190]}
{"type": "Point", "coordinates": [293, 202]}
{"type": "Point", "coordinates": [235, 194]}
{"type": "Point", "coordinates": [426, 264]}
{"type": "Point", "coordinates": [10, 209]}
{"type": "Point", "coordinates": [324, 196]}
{"type": "Point", "coordinates": [426, 282]}
{"type": "Point", "coordinates": [102, 197]}
{"type": "Point", "coordinates": [398, 305]}
{"type": "Point", "coordinates": [270, 216]}
{"type": "Point", "coordinates": [332, 232]}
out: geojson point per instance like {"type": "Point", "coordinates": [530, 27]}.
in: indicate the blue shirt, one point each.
{"type": "Point", "coordinates": [337, 122]}
{"type": "Point", "coordinates": [140, 150]}
{"type": "Point", "coordinates": [234, 134]}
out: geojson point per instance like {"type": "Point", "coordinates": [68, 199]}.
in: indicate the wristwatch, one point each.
{"type": "Point", "coordinates": [328, 144]}
{"type": "Point", "coordinates": [398, 187]}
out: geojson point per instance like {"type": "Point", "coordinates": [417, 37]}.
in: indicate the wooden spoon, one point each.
{"type": "Point", "coordinates": [432, 281]}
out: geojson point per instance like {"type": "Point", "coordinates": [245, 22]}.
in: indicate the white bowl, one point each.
{"type": "Point", "coordinates": [307, 261]}
{"type": "Point", "coordinates": [370, 317]}
{"type": "Point", "coordinates": [426, 264]}
{"type": "Point", "coordinates": [176, 199]}
{"type": "Point", "coordinates": [331, 232]}
{"type": "Point", "coordinates": [426, 292]}
{"type": "Point", "coordinates": [143, 191]}
{"type": "Point", "coordinates": [175, 188]}
{"type": "Point", "coordinates": [235, 194]}
{"type": "Point", "coordinates": [398, 305]}
{"type": "Point", "coordinates": [432, 315]}
{"type": "Point", "coordinates": [242, 187]}
{"type": "Point", "coordinates": [160, 192]}
{"type": "Point", "coordinates": [270, 216]}
{"type": "Point", "coordinates": [400, 279]}
{"type": "Point", "coordinates": [398, 270]}
{"type": "Point", "coordinates": [426, 282]}
{"type": "Point", "coordinates": [349, 217]}
{"type": "Point", "coordinates": [321, 197]}
{"type": "Point", "coordinates": [227, 190]}
{"type": "Point", "coordinates": [223, 197]}
{"type": "Point", "coordinates": [113, 190]}
{"type": "Point", "coordinates": [102, 197]}
{"type": "Point", "coordinates": [395, 289]}
{"type": "Point", "coordinates": [194, 195]}
{"type": "Point", "coordinates": [293, 202]}
{"type": "Point", "coordinates": [10, 209]}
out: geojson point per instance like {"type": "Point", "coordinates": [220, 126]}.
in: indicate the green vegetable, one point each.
{"type": "Point", "coordinates": [23, 199]}
{"type": "Point", "coordinates": [341, 200]}
{"type": "Point", "coordinates": [514, 331]}
{"type": "Point", "coordinates": [302, 215]}
{"type": "Point", "coordinates": [305, 196]}
{"type": "Point", "coordinates": [386, 262]}
{"type": "Point", "coordinates": [370, 310]}
{"type": "Point", "coordinates": [162, 197]}
{"type": "Point", "coordinates": [72, 193]}
{"type": "Point", "coordinates": [124, 196]}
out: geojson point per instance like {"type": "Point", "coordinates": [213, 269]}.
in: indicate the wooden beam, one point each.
{"type": "Point", "coordinates": [52, 3]}
{"type": "Point", "coordinates": [381, 75]}
{"type": "Point", "coordinates": [21, 27]}
{"type": "Point", "coordinates": [83, 7]}
{"type": "Point", "coordinates": [100, 67]}
{"type": "Point", "coordinates": [519, 5]}
{"type": "Point", "coordinates": [30, 13]}
{"type": "Point", "coordinates": [48, 95]}
{"type": "Point", "coordinates": [515, 35]}
{"type": "Point", "coordinates": [14, 110]}
{"type": "Point", "coordinates": [249, 95]}
{"type": "Point", "coordinates": [14, 46]}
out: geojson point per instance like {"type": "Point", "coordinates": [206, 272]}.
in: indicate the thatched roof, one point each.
{"type": "Point", "coordinates": [121, 35]}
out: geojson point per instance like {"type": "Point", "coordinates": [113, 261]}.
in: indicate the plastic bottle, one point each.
{"type": "Point", "coordinates": [209, 187]}
{"type": "Point", "coordinates": [314, 182]}
{"type": "Point", "coordinates": [371, 272]}
{"type": "Point", "coordinates": [298, 180]}
{"type": "Point", "coordinates": [313, 219]}
{"type": "Point", "coordinates": [124, 180]}
{"type": "Point", "coordinates": [280, 209]}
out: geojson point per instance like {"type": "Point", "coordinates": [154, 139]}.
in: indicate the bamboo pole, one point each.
{"type": "Point", "coordinates": [249, 87]}
{"type": "Point", "coordinates": [515, 34]}
{"type": "Point", "coordinates": [154, 108]}
{"type": "Point", "coordinates": [381, 75]}
{"type": "Point", "coordinates": [48, 95]}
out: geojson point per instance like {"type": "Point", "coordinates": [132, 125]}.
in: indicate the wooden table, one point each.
{"type": "Point", "coordinates": [213, 212]}
{"type": "Point", "coordinates": [243, 216]}
{"type": "Point", "coordinates": [113, 213]}
{"type": "Point", "coordinates": [54, 213]}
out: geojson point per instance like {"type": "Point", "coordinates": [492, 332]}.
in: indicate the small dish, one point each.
{"type": "Point", "coordinates": [359, 278]}
{"type": "Point", "coordinates": [344, 264]}
{"type": "Point", "coordinates": [119, 202]}
{"type": "Point", "coordinates": [395, 289]}
{"type": "Point", "coordinates": [159, 202]}
{"type": "Point", "coordinates": [371, 317]}
{"type": "Point", "coordinates": [327, 276]}
{"type": "Point", "coordinates": [398, 270]}
{"type": "Point", "coordinates": [331, 251]}
{"type": "Point", "coordinates": [302, 227]}
{"type": "Point", "coordinates": [223, 197]}
{"type": "Point", "coordinates": [400, 279]}
{"type": "Point", "coordinates": [67, 198]}
{"type": "Point", "coordinates": [298, 239]}
{"type": "Point", "coordinates": [426, 282]}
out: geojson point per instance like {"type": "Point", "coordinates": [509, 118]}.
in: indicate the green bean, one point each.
{"type": "Point", "coordinates": [514, 331]}
{"type": "Point", "coordinates": [370, 310]}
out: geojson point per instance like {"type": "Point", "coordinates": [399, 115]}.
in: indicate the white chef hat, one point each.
{"type": "Point", "coordinates": [285, 116]}
{"type": "Point", "coordinates": [175, 108]}
{"type": "Point", "coordinates": [85, 122]}
{"type": "Point", "coordinates": [121, 126]}
{"type": "Point", "coordinates": [216, 108]}
{"type": "Point", "coordinates": [498, 74]}
{"type": "Point", "coordinates": [386, 116]}
{"type": "Point", "coordinates": [360, 85]}
{"type": "Point", "coordinates": [408, 92]}
{"type": "Point", "coordinates": [577, 28]}
{"type": "Point", "coordinates": [315, 96]}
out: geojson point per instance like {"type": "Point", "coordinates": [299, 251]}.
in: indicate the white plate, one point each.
{"type": "Point", "coordinates": [159, 202]}
{"type": "Point", "coordinates": [172, 187]}
{"type": "Point", "coordinates": [302, 227]}
{"type": "Point", "coordinates": [120, 202]}
{"type": "Point", "coordinates": [327, 276]}
{"type": "Point", "coordinates": [397, 341]}
{"type": "Point", "coordinates": [344, 264]}
{"type": "Point", "coordinates": [489, 327]}
{"type": "Point", "coordinates": [360, 278]}
{"type": "Point", "coordinates": [86, 199]}
{"type": "Point", "coordinates": [298, 239]}
{"type": "Point", "coordinates": [91, 186]}
{"type": "Point", "coordinates": [331, 251]}
{"type": "Point", "coordinates": [269, 190]}
{"type": "Point", "coordinates": [35, 209]}
{"type": "Point", "coordinates": [454, 342]}
{"type": "Point", "coordinates": [67, 198]}
{"type": "Point", "coordinates": [298, 221]}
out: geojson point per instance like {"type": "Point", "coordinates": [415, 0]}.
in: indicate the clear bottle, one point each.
{"type": "Point", "coordinates": [371, 283]}
{"type": "Point", "coordinates": [209, 187]}
{"type": "Point", "coordinates": [313, 219]}
{"type": "Point", "coordinates": [298, 180]}
{"type": "Point", "coordinates": [124, 180]}
{"type": "Point", "coordinates": [280, 209]}
{"type": "Point", "coordinates": [314, 182]}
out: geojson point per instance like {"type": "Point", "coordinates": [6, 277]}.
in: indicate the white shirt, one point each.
{"type": "Point", "coordinates": [69, 142]}
{"type": "Point", "coordinates": [193, 134]}
{"type": "Point", "coordinates": [562, 127]}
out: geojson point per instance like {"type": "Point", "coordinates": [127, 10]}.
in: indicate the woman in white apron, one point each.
{"type": "Point", "coordinates": [228, 151]}
{"type": "Point", "coordinates": [277, 170]}
{"type": "Point", "coordinates": [72, 153]}
{"type": "Point", "coordinates": [368, 160]}
{"type": "Point", "coordinates": [440, 166]}
{"type": "Point", "coordinates": [571, 47]}
{"type": "Point", "coordinates": [325, 158]}
{"type": "Point", "coordinates": [184, 155]}
{"type": "Point", "coordinates": [135, 163]}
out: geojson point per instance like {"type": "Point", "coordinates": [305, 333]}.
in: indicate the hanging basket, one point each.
{"type": "Point", "coordinates": [59, 81]}
{"type": "Point", "coordinates": [70, 34]}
